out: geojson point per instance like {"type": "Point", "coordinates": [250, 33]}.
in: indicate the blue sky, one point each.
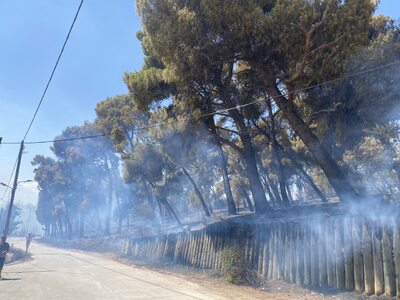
{"type": "Point", "coordinates": [102, 47]}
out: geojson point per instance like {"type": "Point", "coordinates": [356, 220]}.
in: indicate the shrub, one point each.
{"type": "Point", "coordinates": [234, 266]}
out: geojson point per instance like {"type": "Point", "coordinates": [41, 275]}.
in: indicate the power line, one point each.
{"type": "Point", "coordinates": [215, 112]}
{"type": "Point", "coordinates": [60, 140]}
{"type": "Point", "coordinates": [54, 69]}
{"type": "Point", "coordinates": [42, 97]}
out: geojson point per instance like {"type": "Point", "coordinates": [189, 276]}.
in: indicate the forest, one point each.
{"type": "Point", "coordinates": [240, 107]}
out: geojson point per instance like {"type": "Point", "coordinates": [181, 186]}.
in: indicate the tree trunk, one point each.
{"type": "Point", "coordinates": [153, 202]}
{"type": "Point", "coordinates": [68, 221]}
{"type": "Point", "coordinates": [335, 176]}
{"type": "Point", "coordinates": [299, 168]}
{"type": "Point", "coordinates": [60, 226]}
{"type": "Point", "coordinates": [81, 224]}
{"type": "Point", "coordinates": [109, 210]}
{"type": "Point", "coordinates": [224, 167]}
{"type": "Point", "coordinates": [172, 211]}
{"type": "Point", "coordinates": [120, 215]}
{"type": "Point", "coordinates": [227, 186]}
{"type": "Point", "coordinates": [277, 156]}
{"type": "Point", "coordinates": [256, 188]}
{"type": "Point", "coordinates": [310, 181]}
{"type": "Point", "coordinates": [111, 183]}
{"type": "Point", "coordinates": [305, 175]}
{"type": "Point", "coordinates": [267, 185]}
{"type": "Point", "coordinates": [249, 156]}
{"type": "Point", "coordinates": [248, 200]}
{"type": "Point", "coordinates": [197, 191]}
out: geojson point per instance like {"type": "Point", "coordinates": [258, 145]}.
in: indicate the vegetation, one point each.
{"type": "Point", "coordinates": [241, 106]}
{"type": "Point", "coordinates": [234, 266]}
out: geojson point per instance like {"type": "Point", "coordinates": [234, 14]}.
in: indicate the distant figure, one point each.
{"type": "Point", "coordinates": [28, 241]}
{"type": "Point", "coordinates": [4, 248]}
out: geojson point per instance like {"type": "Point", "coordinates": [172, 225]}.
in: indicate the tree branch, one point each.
{"type": "Point", "coordinates": [228, 142]}
{"type": "Point", "coordinates": [228, 130]}
{"type": "Point", "coordinates": [307, 47]}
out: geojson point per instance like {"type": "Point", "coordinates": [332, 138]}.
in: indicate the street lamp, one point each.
{"type": "Point", "coordinates": [7, 186]}
{"type": "Point", "coordinates": [13, 190]}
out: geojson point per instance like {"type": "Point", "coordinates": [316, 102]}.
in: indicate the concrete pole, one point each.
{"type": "Point", "coordinates": [14, 189]}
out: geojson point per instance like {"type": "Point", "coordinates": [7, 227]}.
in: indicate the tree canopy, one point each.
{"type": "Point", "coordinates": [240, 107]}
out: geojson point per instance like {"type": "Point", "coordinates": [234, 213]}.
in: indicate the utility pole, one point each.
{"type": "Point", "coordinates": [14, 189]}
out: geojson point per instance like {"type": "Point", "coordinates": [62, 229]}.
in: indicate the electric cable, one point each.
{"type": "Point", "coordinates": [215, 112]}
{"type": "Point", "coordinates": [53, 71]}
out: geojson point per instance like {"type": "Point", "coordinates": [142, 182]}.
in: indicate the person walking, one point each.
{"type": "Point", "coordinates": [28, 241]}
{"type": "Point", "coordinates": [4, 248]}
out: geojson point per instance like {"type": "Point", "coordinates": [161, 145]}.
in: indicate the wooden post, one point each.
{"type": "Point", "coordinates": [201, 249]}
{"type": "Point", "coordinates": [266, 252]}
{"type": "Point", "coordinates": [314, 257]}
{"type": "Point", "coordinates": [293, 252]}
{"type": "Point", "coordinates": [210, 255]}
{"type": "Point", "coordinates": [222, 249]}
{"type": "Point", "coordinates": [377, 258]}
{"type": "Point", "coordinates": [176, 250]}
{"type": "Point", "coordinates": [300, 255]}
{"type": "Point", "coordinates": [185, 249]}
{"type": "Point", "coordinates": [323, 277]}
{"type": "Point", "coordinates": [330, 253]}
{"type": "Point", "coordinates": [218, 250]}
{"type": "Point", "coordinates": [307, 256]}
{"type": "Point", "coordinates": [388, 265]}
{"type": "Point", "coordinates": [348, 255]}
{"type": "Point", "coordinates": [339, 260]}
{"type": "Point", "coordinates": [396, 246]}
{"type": "Point", "coordinates": [210, 252]}
{"type": "Point", "coordinates": [193, 250]}
{"type": "Point", "coordinates": [286, 250]}
{"type": "Point", "coordinates": [271, 244]}
{"type": "Point", "coordinates": [261, 235]}
{"type": "Point", "coordinates": [281, 257]}
{"type": "Point", "coordinates": [276, 254]}
{"type": "Point", "coordinates": [368, 259]}
{"type": "Point", "coordinates": [204, 248]}
{"type": "Point", "coordinates": [358, 259]}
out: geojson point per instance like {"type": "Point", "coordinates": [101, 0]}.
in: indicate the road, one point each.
{"type": "Point", "coordinates": [65, 274]}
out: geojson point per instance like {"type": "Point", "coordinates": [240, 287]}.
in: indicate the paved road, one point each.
{"type": "Point", "coordinates": [62, 274]}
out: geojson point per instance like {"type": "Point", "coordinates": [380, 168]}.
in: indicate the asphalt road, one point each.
{"type": "Point", "coordinates": [62, 274]}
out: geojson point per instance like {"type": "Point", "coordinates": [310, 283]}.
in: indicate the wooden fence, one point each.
{"type": "Point", "coordinates": [347, 253]}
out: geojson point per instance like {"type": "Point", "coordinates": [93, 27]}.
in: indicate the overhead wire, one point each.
{"type": "Point", "coordinates": [215, 112]}
{"type": "Point", "coordinates": [45, 91]}
{"type": "Point", "coordinates": [54, 70]}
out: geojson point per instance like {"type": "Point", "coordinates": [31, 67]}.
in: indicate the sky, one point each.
{"type": "Point", "coordinates": [101, 48]}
